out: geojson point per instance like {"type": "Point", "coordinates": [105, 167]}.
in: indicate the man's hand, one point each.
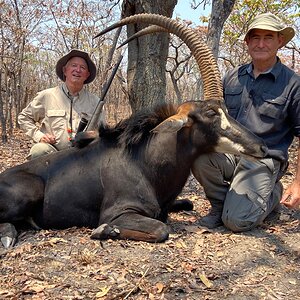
{"type": "Point", "coordinates": [48, 138]}
{"type": "Point", "coordinates": [291, 197]}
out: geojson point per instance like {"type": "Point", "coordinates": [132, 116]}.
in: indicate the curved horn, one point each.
{"type": "Point", "coordinates": [147, 30]}
{"type": "Point", "coordinates": [212, 83]}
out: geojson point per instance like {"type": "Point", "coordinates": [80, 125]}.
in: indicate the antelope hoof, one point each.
{"type": "Point", "coordinates": [8, 235]}
{"type": "Point", "coordinates": [105, 231]}
{"type": "Point", "coordinates": [8, 242]}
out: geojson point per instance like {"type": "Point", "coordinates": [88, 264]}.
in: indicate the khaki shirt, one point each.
{"type": "Point", "coordinates": [49, 112]}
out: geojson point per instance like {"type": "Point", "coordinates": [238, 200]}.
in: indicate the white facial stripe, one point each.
{"type": "Point", "coordinates": [224, 122]}
{"type": "Point", "coordinates": [225, 145]}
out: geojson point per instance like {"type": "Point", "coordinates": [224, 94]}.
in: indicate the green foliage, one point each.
{"type": "Point", "coordinates": [244, 11]}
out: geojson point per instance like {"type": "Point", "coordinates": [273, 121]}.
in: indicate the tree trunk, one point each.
{"type": "Point", "coordinates": [220, 11]}
{"type": "Point", "coordinates": [147, 55]}
{"type": "Point", "coordinates": [2, 118]}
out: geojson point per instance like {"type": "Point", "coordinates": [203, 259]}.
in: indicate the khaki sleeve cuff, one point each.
{"type": "Point", "coordinates": [37, 136]}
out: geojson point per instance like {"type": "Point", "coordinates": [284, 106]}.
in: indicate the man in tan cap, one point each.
{"type": "Point", "coordinates": [264, 96]}
{"type": "Point", "coordinates": [52, 118]}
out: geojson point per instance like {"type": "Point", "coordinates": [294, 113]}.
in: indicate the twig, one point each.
{"type": "Point", "coordinates": [136, 287]}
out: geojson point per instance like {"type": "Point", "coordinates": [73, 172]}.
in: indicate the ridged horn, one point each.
{"type": "Point", "coordinates": [211, 77]}
{"type": "Point", "coordinates": [147, 30]}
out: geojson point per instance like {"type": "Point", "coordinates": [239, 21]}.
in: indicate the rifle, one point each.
{"type": "Point", "coordinates": [93, 124]}
{"type": "Point", "coordinates": [87, 130]}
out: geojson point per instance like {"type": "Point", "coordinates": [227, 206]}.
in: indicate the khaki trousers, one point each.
{"type": "Point", "coordinates": [247, 189]}
{"type": "Point", "coordinates": [40, 149]}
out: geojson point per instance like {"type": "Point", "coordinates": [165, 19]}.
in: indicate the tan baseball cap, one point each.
{"type": "Point", "coordinates": [76, 53]}
{"type": "Point", "coordinates": [268, 21]}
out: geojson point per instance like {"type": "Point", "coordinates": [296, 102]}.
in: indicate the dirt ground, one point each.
{"type": "Point", "coordinates": [195, 263]}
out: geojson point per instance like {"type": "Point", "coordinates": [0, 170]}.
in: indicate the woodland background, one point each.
{"type": "Point", "coordinates": [195, 263]}
{"type": "Point", "coordinates": [34, 34]}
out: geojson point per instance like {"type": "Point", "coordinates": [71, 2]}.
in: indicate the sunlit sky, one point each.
{"type": "Point", "coordinates": [184, 11]}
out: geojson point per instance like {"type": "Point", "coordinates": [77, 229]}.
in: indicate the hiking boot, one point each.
{"type": "Point", "coordinates": [214, 218]}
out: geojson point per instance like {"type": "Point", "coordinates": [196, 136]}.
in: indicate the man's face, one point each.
{"type": "Point", "coordinates": [263, 44]}
{"type": "Point", "coordinates": [76, 71]}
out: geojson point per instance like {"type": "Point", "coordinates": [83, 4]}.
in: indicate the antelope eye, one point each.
{"type": "Point", "coordinates": [211, 113]}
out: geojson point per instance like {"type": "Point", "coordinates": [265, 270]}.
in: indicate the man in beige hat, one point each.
{"type": "Point", "coordinates": [52, 118]}
{"type": "Point", "coordinates": [264, 96]}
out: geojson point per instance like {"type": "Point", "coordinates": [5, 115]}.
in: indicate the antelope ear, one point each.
{"type": "Point", "coordinates": [172, 124]}
{"type": "Point", "coordinates": [176, 122]}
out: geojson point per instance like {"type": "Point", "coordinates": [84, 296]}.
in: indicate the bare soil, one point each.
{"type": "Point", "coordinates": [195, 263]}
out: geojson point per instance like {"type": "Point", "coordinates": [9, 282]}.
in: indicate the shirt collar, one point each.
{"type": "Point", "coordinates": [68, 94]}
{"type": "Point", "coordinates": [274, 71]}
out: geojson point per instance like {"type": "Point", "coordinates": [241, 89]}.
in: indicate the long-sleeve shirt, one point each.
{"type": "Point", "coordinates": [268, 105]}
{"type": "Point", "coordinates": [50, 111]}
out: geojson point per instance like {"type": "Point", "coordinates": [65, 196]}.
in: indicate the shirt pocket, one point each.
{"type": "Point", "coordinates": [57, 119]}
{"type": "Point", "coordinates": [272, 107]}
{"type": "Point", "coordinates": [233, 96]}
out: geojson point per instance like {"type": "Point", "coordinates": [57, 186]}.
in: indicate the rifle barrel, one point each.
{"type": "Point", "coordinates": [93, 124]}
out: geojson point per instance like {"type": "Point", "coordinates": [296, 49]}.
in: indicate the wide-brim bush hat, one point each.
{"type": "Point", "coordinates": [76, 53]}
{"type": "Point", "coordinates": [268, 21]}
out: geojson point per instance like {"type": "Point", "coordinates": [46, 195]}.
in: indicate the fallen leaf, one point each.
{"type": "Point", "coordinates": [160, 286]}
{"type": "Point", "coordinates": [36, 287]}
{"type": "Point", "coordinates": [202, 230]}
{"type": "Point", "coordinates": [6, 293]}
{"type": "Point", "coordinates": [151, 296]}
{"type": "Point", "coordinates": [54, 241]}
{"type": "Point", "coordinates": [205, 280]}
{"type": "Point", "coordinates": [170, 268]}
{"type": "Point", "coordinates": [103, 292]}
{"type": "Point", "coordinates": [181, 244]}
{"type": "Point", "coordinates": [220, 253]}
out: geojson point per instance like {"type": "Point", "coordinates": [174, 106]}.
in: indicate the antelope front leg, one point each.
{"type": "Point", "coordinates": [133, 227]}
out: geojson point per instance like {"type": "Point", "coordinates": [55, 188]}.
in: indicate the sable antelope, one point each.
{"type": "Point", "coordinates": [125, 182]}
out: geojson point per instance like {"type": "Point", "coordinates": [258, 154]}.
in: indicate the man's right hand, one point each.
{"type": "Point", "coordinates": [48, 138]}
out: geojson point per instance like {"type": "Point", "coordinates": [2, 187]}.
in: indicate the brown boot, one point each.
{"type": "Point", "coordinates": [214, 218]}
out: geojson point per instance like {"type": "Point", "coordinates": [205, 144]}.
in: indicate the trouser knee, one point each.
{"type": "Point", "coordinates": [253, 194]}
{"type": "Point", "coordinates": [212, 165]}
{"type": "Point", "coordinates": [240, 224]}
{"type": "Point", "coordinates": [214, 171]}
{"type": "Point", "coordinates": [249, 214]}
{"type": "Point", "coordinates": [243, 212]}
{"type": "Point", "coordinates": [199, 167]}
{"type": "Point", "coordinates": [40, 149]}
